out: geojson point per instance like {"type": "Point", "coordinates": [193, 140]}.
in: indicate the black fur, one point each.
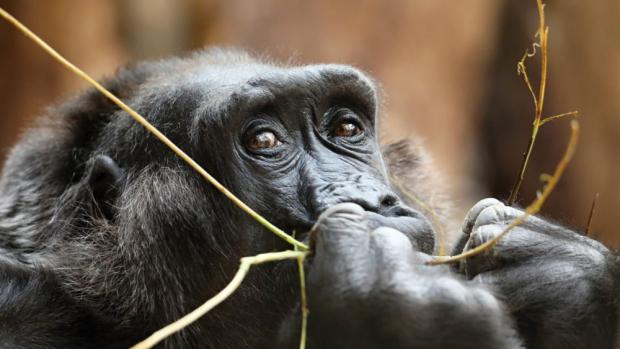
{"type": "Point", "coordinates": [106, 236]}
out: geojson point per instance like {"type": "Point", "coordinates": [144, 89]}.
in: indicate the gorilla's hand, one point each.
{"type": "Point", "coordinates": [558, 284]}
{"type": "Point", "coordinates": [371, 289]}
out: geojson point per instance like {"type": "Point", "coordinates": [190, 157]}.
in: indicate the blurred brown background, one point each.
{"type": "Point", "coordinates": [447, 68]}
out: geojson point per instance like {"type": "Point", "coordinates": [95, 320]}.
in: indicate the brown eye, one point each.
{"type": "Point", "coordinates": [347, 129]}
{"type": "Point", "coordinates": [263, 140]}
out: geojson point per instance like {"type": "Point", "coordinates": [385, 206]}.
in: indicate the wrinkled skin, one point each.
{"type": "Point", "coordinates": [106, 236]}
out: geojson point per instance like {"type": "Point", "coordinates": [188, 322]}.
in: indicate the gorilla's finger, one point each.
{"type": "Point", "coordinates": [469, 222]}
{"type": "Point", "coordinates": [341, 228]}
{"type": "Point", "coordinates": [518, 246]}
{"type": "Point", "coordinates": [392, 250]}
{"type": "Point", "coordinates": [474, 212]}
{"type": "Point", "coordinates": [341, 247]}
{"type": "Point", "coordinates": [395, 255]}
{"type": "Point", "coordinates": [501, 213]}
{"type": "Point", "coordinates": [484, 261]}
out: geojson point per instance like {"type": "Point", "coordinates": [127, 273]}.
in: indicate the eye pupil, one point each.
{"type": "Point", "coordinates": [347, 129]}
{"type": "Point", "coordinates": [263, 140]}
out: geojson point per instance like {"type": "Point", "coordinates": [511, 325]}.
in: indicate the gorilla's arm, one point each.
{"type": "Point", "coordinates": [560, 286]}
{"type": "Point", "coordinates": [371, 289]}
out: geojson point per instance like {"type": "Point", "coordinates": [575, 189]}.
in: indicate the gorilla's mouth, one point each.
{"type": "Point", "coordinates": [404, 219]}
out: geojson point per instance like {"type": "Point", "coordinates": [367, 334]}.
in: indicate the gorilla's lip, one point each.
{"type": "Point", "coordinates": [404, 219]}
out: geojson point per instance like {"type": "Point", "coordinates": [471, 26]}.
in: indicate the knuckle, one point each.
{"type": "Point", "coordinates": [487, 202]}
{"type": "Point", "coordinates": [343, 211]}
{"type": "Point", "coordinates": [390, 238]}
{"type": "Point", "coordinates": [475, 211]}
{"type": "Point", "coordinates": [340, 222]}
{"type": "Point", "coordinates": [491, 214]}
{"type": "Point", "coordinates": [482, 204]}
{"type": "Point", "coordinates": [485, 233]}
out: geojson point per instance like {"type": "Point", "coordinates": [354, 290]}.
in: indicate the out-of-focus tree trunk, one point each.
{"type": "Point", "coordinates": [584, 75]}
{"type": "Point", "coordinates": [586, 70]}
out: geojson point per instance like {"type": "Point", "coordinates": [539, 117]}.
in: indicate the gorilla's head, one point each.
{"type": "Point", "coordinates": [138, 235]}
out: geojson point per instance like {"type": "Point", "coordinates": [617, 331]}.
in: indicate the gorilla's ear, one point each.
{"type": "Point", "coordinates": [105, 179]}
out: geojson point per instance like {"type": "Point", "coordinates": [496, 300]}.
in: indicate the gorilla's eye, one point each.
{"type": "Point", "coordinates": [344, 125]}
{"type": "Point", "coordinates": [347, 129]}
{"type": "Point", "coordinates": [263, 140]}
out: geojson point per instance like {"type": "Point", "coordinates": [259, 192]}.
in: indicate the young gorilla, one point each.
{"type": "Point", "coordinates": [105, 235]}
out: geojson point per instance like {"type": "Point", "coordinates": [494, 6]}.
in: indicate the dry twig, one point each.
{"type": "Point", "coordinates": [591, 215]}
{"type": "Point", "coordinates": [532, 209]}
{"type": "Point", "coordinates": [538, 99]}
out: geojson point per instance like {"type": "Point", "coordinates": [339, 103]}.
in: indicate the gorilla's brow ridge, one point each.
{"type": "Point", "coordinates": [314, 83]}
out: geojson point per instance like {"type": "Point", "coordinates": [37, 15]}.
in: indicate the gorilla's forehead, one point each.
{"type": "Point", "coordinates": [224, 88]}
{"type": "Point", "coordinates": [239, 78]}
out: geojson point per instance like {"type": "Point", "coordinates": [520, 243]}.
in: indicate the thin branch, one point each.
{"type": "Point", "coordinates": [244, 267]}
{"type": "Point", "coordinates": [304, 301]}
{"type": "Point", "coordinates": [140, 119]}
{"type": "Point", "coordinates": [592, 209]}
{"type": "Point", "coordinates": [514, 192]}
{"type": "Point", "coordinates": [570, 114]}
{"type": "Point", "coordinates": [532, 209]}
{"type": "Point", "coordinates": [543, 32]}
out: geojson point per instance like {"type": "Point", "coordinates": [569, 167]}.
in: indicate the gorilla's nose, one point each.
{"type": "Point", "coordinates": [382, 203]}
{"type": "Point", "coordinates": [374, 200]}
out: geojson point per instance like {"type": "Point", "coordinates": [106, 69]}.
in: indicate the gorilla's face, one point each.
{"type": "Point", "coordinates": [290, 142]}
{"type": "Point", "coordinates": [294, 142]}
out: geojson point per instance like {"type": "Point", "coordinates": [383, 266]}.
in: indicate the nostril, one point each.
{"type": "Point", "coordinates": [388, 201]}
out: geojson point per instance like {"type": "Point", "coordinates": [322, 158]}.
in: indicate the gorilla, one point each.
{"type": "Point", "coordinates": [106, 236]}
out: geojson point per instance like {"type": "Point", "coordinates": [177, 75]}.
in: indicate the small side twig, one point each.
{"type": "Point", "coordinates": [591, 215]}
{"type": "Point", "coordinates": [532, 209]}
{"type": "Point", "coordinates": [570, 114]}
{"type": "Point", "coordinates": [244, 267]}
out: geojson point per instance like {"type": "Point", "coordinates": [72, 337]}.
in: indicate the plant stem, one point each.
{"type": "Point", "coordinates": [539, 101]}
{"type": "Point", "coordinates": [304, 302]}
{"type": "Point", "coordinates": [532, 209]}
